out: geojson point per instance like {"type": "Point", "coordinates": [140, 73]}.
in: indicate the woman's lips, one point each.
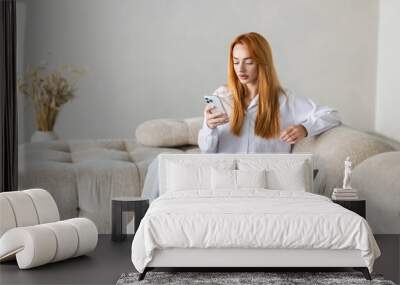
{"type": "Point", "coordinates": [243, 76]}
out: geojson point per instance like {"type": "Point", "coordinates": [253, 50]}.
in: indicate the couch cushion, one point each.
{"type": "Point", "coordinates": [83, 175]}
{"type": "Point", "coordinates": [377, 181]}
{"type": "Point", "coordinates": [169, 132]}
{"type": "Point", "coordinates": [330, 150]}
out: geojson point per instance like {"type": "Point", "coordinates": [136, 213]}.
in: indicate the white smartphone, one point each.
{"type": "Point", "coordinates": [216, 101]}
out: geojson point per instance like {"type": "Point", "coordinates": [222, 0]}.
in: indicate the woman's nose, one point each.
{"type": "Point", "coordinates": [241, 67]}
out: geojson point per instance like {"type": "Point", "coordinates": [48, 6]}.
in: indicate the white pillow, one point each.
{"type": "Point", "coordinates": [281, 174]}
{"type": "Point", "coordinates": [288, 179]}
{"type": "Point", "coordinates": [223, 179]}
{"type": "Point", "coordinates": [237, 179]}
{"type": "Point", "coordinates": [251, 178]}
{"type": "Point", "coordinates": [187, 176]}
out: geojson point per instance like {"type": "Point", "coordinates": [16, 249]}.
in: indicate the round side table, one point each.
{"type": "Point", "coordinates": [125, 204]}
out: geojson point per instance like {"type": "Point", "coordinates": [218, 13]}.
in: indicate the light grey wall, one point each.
{"type": "Point", "coordinates": [155, 58]}
{"type": "Point", "coordinates": [388, 88]}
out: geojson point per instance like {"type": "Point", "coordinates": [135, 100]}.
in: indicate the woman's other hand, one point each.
{"type": "Point", "coordinates": [216, 118]}
{"type": "Point", "coordinates": [293, 134]}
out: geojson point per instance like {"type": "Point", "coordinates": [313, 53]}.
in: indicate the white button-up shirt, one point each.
{"type": "Point", "coordinates": [293, 111]}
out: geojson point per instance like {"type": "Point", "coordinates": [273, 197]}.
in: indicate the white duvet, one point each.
{"type": "Point", "coordinates": [251, 218]}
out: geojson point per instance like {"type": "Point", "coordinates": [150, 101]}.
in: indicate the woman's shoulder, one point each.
{"type": "Point", "coordinates": [288, 97]}
{"type": "Point", "coordinates": [297, 102]}
{"type": "Point", "coordinates": [284, 96]}
{"type": "Point", "coordinates": [287, 94]}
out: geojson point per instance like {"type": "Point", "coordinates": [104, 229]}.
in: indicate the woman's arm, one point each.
{"type": "Point", "coordinates": [208, 135]}
{"type": "Point", "coordinates": [315, 119]}
{"type": "Point", "coordinates": [208, 139]}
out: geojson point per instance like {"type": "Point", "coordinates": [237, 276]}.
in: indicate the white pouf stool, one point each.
{"type": "Point", "coordinates": [31, 232]}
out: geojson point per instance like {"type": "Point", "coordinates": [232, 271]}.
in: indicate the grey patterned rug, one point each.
{"type": "Point", "coordinates": [270, 278]}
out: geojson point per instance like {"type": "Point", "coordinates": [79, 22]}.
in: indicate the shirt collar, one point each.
{"type": "Point", "coordinates": [253, 103]}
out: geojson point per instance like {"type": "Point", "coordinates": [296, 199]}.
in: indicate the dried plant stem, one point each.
{"type": "Point", "coordinates": [46, 116]}
{"type": "Point", "coordinates": [49, 92]}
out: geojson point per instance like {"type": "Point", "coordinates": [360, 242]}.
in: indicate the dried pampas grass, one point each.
{"type": "Point", "coordinates": [49, 91]}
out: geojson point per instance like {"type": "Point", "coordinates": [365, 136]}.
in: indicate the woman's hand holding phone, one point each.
{"type": "Point", "coordinates": [214, 119]}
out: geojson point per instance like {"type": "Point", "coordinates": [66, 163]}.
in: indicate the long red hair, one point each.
{"type": "Point", "coordinates": [267, 124]}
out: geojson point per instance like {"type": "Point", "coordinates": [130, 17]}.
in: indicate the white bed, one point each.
{"type": "Point", "coordinates": [203, 220]}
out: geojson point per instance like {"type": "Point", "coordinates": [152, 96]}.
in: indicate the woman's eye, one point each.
{"type": "Point", "coordinates": [236, 63]}
{"type": "Point", "coordinates": [249, 62]}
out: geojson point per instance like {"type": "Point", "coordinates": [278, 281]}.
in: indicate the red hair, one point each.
{"type": "Point", "coordinates": [267, 124]}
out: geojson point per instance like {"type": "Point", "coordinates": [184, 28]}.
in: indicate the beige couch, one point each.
{"type": "Point", "coordinates": [83, 175]}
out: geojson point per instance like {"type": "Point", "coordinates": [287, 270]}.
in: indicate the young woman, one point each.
{"type": "Point", "coordinates": [261, 116]}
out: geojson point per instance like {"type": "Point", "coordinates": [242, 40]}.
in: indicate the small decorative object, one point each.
{"type": "Point", "coordinates": [347, 173]}
{"type": "Point", "coordinates": [39, 136]}
{"type": "Point", "coordinates": [346, 192]}
{"type": "Point", "coordinates": [49, 90]}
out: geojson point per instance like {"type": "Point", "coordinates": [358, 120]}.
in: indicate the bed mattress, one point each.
{"type": "Point", "coordinates": [250, 219]}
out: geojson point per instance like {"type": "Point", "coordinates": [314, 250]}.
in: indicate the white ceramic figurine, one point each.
{"type": "Point", "coordinates": [347, 174]}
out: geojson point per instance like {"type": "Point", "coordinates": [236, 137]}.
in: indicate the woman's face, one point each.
{"type": "Point", "coordinates": [245, 67]}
